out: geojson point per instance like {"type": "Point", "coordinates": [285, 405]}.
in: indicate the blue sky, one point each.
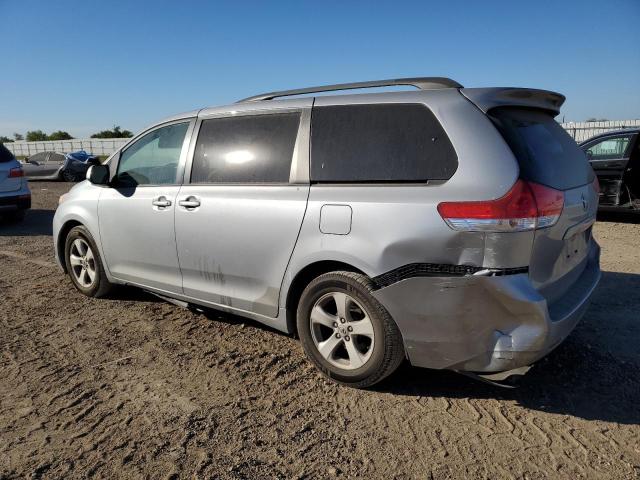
{"type": "Point", "coordinates": [83, 66]}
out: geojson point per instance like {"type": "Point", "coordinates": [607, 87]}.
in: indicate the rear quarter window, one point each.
{"type": "Point", "coordinates": [545, 152]}
{"type": "Point", "coordinates": [379, 143]}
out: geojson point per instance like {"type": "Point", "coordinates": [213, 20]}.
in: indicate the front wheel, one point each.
{"type": "Point", "coordinates": [346, 332]}
{"type": "Point", "coordinates": [84, 265]}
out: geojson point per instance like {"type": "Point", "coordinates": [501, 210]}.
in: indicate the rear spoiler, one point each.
{"type": "Point", "coordinates": [487, 98]}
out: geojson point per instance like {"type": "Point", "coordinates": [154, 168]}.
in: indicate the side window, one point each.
{"type": "Point", "coordinates": [245, 149]}
{"type": "Point", "coordinates": [379, 143]}
{"type": "Point", "coordinates": [153, 159]}
{"type": "Point", "coordinates": [56, 158]}
{"type": "Point", "coordinates": [609, 149]}
{"type": "Point", "coordinates": [40, 157]}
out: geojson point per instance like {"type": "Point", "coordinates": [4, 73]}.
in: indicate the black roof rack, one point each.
{"type": "Point", "coordinates": [423, 83]}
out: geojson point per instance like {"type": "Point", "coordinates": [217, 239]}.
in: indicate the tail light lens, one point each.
{"type": "Point", "coordinates": [549, 202]}
{"type": "Point", "coordinates": [16, 172]}
{"type": "Point", "coordinates": [526, 206]}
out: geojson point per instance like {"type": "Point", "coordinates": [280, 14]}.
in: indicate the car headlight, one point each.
{"type": "Point", "coordinates": [62, 198]}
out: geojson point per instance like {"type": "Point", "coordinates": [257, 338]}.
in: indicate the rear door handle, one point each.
{"type": "Point", "coordinates": [190, 202]}
{"type": "Point", "coordinates": [161, 202]}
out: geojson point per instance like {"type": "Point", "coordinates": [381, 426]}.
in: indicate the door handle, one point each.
{"type": "Point", "coordinates": [190, 202]}
{"type": "Point", "coordinates": [161, 202]}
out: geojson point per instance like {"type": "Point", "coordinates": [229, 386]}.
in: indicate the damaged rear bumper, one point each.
{"type": "Point", "coordinates": [485, 323]}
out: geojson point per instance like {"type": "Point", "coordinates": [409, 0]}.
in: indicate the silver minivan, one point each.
{"type": "Point", "coordinates": [448, 226]}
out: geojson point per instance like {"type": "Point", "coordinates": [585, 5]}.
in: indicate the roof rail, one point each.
{"type": "Point", "coordinates": [422, 83]}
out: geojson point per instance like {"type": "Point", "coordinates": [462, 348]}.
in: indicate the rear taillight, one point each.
{"type": "Point", "coordinates": [16, 172]}
{"type": "Point", "coordinates": [526, 206]}
{"type": "Point", "coordinates": [596, 185]}
{"type": "Point", "coordinates": [549, 202]}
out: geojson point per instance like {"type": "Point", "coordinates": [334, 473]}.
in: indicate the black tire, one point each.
{"type": "Point", "coordinates": [100, 285]}
{"type": "Point", "coordinates": [387, 348]}
{"type": "Point", "coordinates": [70, 176]}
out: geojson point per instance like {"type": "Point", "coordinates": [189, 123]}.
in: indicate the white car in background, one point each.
{"type": "Point", "coordinates": [15, 196]}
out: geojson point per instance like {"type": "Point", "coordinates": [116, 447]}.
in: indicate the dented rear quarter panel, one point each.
{"type": "Point", "coordinates": [397, 224]}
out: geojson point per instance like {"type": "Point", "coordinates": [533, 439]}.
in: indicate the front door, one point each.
{"type": "Point", "coordinates": [238, 218]}
{"type": "Point", "coordinates": [631, 177]}
{"type": "Point", "coordinates": [609, 158]}
{"type": "Point", "coordinates": [136, 215]}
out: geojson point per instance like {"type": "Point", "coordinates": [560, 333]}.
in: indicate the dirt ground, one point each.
{"type": "Point", "coordinates": [133, 387]}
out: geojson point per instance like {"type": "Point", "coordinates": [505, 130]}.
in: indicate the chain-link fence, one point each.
{"type": "Point", "coordinates": [95, 146]}
{"type": "Point", "coordinates": [581, 131]}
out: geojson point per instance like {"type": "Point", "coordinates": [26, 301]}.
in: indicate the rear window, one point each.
{"type": "Point", "coordinates": [379, 143]}
{"type": "Point", "coordinates": [545, 152]}
{"type": "Point", "coordinates": [5, 154]}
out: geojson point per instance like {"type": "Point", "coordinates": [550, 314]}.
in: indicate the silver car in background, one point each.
{"type": "Point", "coordinates": [70, 167]}
{"type": "Point", "coordinates": [44, 166]}
{"type": "Point", "coordinates": [448, 226]}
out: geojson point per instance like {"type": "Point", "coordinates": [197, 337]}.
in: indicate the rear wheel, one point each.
{"type": "Point", "coordinates": [70, 176]}
{"type": "Point", "coordinates": [84, 264]}
{"type": "Point", "coordinates": [346, 332]}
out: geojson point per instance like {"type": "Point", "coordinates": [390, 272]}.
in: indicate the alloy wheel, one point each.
{"type": "Point", "coordinates": [83, 263]}
{"type": "Point", "coordinates": [342, 330]}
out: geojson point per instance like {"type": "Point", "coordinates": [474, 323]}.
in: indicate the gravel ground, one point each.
{"type": "Point", "coordinates": [133, 387]}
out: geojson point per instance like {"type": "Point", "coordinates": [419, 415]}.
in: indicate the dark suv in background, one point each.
{"type": "Point", "coordinates": [615, 157]}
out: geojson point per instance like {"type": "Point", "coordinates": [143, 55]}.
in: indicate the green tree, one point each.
{"type": "Point", "coordinates": [6, 140]}
{"type": "Point", "coordinates": [18, 137]}
{"type": "Point", "coordinates": [114, 133]}
{"type": "Point", "coordinates": [60, 135]}
{"type": "Point", "coordinates": [36, 136]}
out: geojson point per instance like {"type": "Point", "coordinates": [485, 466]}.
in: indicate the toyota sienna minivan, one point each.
{"type": "Point", "coordinates": [448, 226]}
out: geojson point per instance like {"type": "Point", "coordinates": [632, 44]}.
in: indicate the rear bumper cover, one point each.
{"type": "Point", "coordinates": [15, 202]}
{"type": "Point", "coordinates": [485, 323]}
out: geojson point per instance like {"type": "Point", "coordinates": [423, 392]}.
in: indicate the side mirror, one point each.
{"type": "Point", "coordinates": [98, 174]}
{"type": "Point", "coordinates": [589, 155]}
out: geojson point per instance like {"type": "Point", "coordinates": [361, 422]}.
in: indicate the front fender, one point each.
{"type": "Point", "coordinates": [81, 207]}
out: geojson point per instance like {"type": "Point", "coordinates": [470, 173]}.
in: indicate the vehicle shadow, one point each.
{"type": "Point", "coordinates": [592, 375]}
{"type": "Point", "coordinates": [618, 216]}
{"type": "Point", "coordinates": [131, 293]}
{"type": "Point", "coordinates": [36, 222]}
